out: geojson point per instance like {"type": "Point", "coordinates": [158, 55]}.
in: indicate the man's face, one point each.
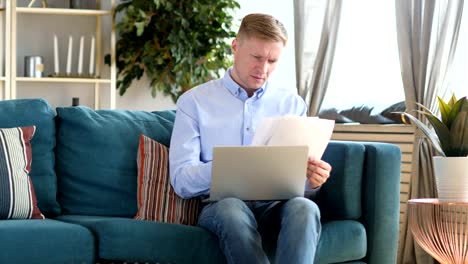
{"type": "Point", "coordinates": [254, 61]}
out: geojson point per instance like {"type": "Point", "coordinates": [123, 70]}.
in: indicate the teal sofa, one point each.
{"type": "Point", "coordinates": [84, 173]}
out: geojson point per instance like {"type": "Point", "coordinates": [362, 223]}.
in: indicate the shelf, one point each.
{"type": "Point", "coordinates": [16, 11]}
{"type": "Point", "coordinates": [62, 80]}
{"type": "Point", "coordinates": [63, 11]}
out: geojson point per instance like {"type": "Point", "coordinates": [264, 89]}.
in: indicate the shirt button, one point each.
{"type": "Point", "coordinates": [247, 129]}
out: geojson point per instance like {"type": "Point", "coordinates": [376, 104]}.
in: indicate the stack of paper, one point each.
{"type": "Point", "coordinates": [295, 130]}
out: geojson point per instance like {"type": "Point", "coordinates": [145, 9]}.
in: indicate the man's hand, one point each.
{"type": "Point", "coordinates": [318, 172]}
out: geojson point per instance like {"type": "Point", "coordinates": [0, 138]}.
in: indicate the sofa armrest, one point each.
{"type": "Point", "coordinates": [381, 201]}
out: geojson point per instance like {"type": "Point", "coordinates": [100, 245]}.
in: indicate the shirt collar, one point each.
{"type": "Point", "coordinates": [236, 89]}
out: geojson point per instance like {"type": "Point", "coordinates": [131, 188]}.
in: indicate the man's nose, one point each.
{"type": "Point", "coordinates": [263, 66]}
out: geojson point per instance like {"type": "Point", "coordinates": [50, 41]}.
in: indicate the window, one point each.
{"type": "Point", "coordinates": [458, 80]}
{"type": "Point", "coordinates": [366, 67]}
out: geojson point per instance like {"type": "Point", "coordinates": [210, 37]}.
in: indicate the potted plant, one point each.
{"type": "Point", "coordinates": [177, 44]}
{"type": "Point", "coordinates": [450, 140]}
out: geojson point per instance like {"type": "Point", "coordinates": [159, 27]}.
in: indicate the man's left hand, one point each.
{"type": "Point", "coordinates": [318, 172]}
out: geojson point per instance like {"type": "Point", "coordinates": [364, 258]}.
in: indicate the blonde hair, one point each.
{"type": "Point", "coordinates": [262, 26]}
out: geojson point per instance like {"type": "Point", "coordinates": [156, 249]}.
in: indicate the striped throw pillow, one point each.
{"type": "Point", "coordinates": [17, 197]}
{"type": "Point", "coordinates": [157, 200]}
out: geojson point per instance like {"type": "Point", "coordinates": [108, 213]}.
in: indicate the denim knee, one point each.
{"type": "Point", "coordinates": [232, 221]}
{"type": "Point", "coordinates": [229, 212]}
{"type": "Point", "coordinates": [301, 206]}
{"type": "Point", "coordinates": [300, 231]}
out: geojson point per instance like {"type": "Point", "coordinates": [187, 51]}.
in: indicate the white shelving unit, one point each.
{"type": "Point", "coordinates": [4, 93]}
{"type": "Point", "coordinates": [12, 12]}
{"type": "Point", "coordinates": [62, 80]}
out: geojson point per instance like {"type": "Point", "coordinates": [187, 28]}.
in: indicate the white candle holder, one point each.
{"type": "Point", "coordinates": [68, 72]}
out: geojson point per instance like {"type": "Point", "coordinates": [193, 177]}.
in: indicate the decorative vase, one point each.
{"type": "Point", "coordinates": [33, 66]}
{"type": "Point", "coordinates": [451, 175]}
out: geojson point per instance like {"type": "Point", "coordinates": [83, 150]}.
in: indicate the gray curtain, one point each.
{"type": "Point", "coordinates": [315, 49]}
{"type": "Point", "coordinates": [427, 32]}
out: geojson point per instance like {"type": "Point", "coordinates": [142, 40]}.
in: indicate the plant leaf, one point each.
{"type": "Point", "coordinates": [452, 100]}
{"type": "Point", "coordinates": [441, 130]}
{"type": "Point", "coordinates": [459, 135]}
{"type": "Point", "coordinates": [156, 3]}
{"type": "Point", "coordinates": [465, 104]}
{"type": "Point", "coordinates": [451, 130]}
{"type": "Point", "coordinates": [429, 134]}
{"type": "Point", "coordinates": [445, 110]}
{"type": "Point", "coordinates": [424, 108]}
{"type": "Point", "coordinates": [456, 109]}
{"type": "Point", "coordinates": [140, 26]}
{"type": "Point", "coordinates": [164, 37]}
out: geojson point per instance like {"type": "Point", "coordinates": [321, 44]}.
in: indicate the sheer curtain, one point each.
{"type": "Point", "coordinates": [314, 56]}
{"type": "Point", "coordinates": [427, 32]}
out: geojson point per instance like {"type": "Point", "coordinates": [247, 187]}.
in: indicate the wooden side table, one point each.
{"type": "Point", "coordinates": [440, 228]}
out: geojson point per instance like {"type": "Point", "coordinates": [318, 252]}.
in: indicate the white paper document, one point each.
{"type": "Point", "coordinates": [295, 130]}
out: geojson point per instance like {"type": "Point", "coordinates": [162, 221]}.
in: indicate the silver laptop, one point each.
{"type": "Point", "coordinates": [258, 172]}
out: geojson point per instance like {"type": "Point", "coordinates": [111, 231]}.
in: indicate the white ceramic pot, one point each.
{"type": "Point", "coordinates": [451, 174]}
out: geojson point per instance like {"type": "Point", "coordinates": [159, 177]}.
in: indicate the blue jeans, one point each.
{"type": "Point", "coordinates": [291, 228]}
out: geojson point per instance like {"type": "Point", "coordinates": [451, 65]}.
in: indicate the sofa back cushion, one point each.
{"type": "Point", "coordinates": [97, 157]}
{"type": "Point", "coordinates": [36, 112]}
{"type": "Point", "coordinates": [341, 196]}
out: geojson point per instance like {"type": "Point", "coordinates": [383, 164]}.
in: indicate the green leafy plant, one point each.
{"type": "Point", "coordinates": [177, 43]}
{"type": "Point", "coordinates": [450, 134]}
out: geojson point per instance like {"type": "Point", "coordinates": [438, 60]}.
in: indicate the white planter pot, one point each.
{"type": "Point", "coordinates": [451, 174]}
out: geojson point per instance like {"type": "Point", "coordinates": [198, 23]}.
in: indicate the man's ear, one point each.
{"type": "Point", "coordinates": [234, 46]}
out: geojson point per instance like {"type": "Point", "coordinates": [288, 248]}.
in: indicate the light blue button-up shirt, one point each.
{"type": "Point", "coordinates": [219, 113]}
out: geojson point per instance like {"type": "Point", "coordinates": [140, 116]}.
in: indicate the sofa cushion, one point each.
{"type": "Point", "coordinates": [136, 241]}
{"type": "Point", "coordinates": [145, 241]}
{"type": "Point", "coordinates": [157, 200]}
{"type": "Point", "coordinates": [96, 157]}
{"type": "Point", "coordinates": [18, 200]}
{"type": "Point", "coordinates": [341, 196]}
{"type": "Point", "coordinates": [341, 241]}
{"type": "Point", "coordinates": [36, 112]}
{"type": "Point", "coordinates": [45, 241]}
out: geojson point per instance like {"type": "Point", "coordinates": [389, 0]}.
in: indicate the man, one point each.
{"type": "Point", "coordinates": [226, 112]}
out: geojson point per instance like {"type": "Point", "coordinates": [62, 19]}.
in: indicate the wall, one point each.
{"type": "Point", "coordinates": [36, 33]}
